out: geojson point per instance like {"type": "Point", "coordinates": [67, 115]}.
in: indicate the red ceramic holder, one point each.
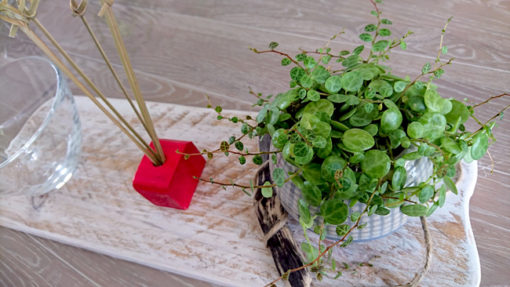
{"type": "Point", "coordinates": [173, 183]}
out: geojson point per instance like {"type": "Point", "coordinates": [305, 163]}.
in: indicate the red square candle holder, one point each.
{"type": "Point", "coordinates": [173, 183]}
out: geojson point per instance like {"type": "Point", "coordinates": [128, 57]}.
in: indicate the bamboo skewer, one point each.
{"type": "Point", "coordinates": [19, 19]}
{"type": "Point", "coordinates": [89, 82]}
{"type": "Point", "coordinates": [107, 12]}
{"type": "Point", "coordinates": [82, 87]}
{"type": "Point", "coordinates": [79, 10]}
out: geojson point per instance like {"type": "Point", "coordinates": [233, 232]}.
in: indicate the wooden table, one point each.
{"type": "Point", "coordinates": [218, 239]}
{"type": "Point", "coordinates": [185, 49]}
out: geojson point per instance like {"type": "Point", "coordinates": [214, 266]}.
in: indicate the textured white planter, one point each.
{"type": "Point", "coordinates": [377, 225]}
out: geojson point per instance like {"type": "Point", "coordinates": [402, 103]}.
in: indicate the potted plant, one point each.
{"type": "Point", "coordinates": [353, 140]}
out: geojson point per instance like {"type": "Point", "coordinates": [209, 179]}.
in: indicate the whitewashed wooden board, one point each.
{"type": "Point", "coordinates": [217, 239]}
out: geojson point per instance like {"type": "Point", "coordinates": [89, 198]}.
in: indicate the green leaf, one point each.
{"type": "Point", "coordinates": [239, 146]}
{"type": "Point", "coordinates": [337, 98]}
{"type": "Point", "coordinates": [334, 211]}
{"type": "Point", "coordinates": [434, 125]}
{"type": "Point", "coordinates": [224, 146]}
{"type": "Point", "coordinates": [326, 59]}
{"type": "Point", "coordinates": [315, 125]}
{"type": "Point", "coordinates": [435, 103]}
{"type": "Point", "coordinates": [432, 209]}
{"type": "Point", "coordinates": [370, 28]}
{"type": "Point", "coordinates": [426, 68]}
{"type": "Point", "coordinates": [320, 74]}
{"type": "Point", "coordinates": [257, 160]}
{"type": "Point", "coordinates": [279, 176]}
{"type": "Point", "coordinates": [438, 73]}
{"type": "Point", "coordinates": [326, 151]}
{"type": "Point", "coordinates": [450, 145]}
{"type": "Point", "coordinates": [358, 50]}
{"type": "Point", "coordinates": [372, 129]}
{"type": "Point", "coordinates": [301, 57]}
{"type": "Point", "coordinates": [309, 62]}
{"type": "Point", "coordinates": [459, 113]}
{"type": "Point", "coordinates": [399, 86]}
{"type": "Point", "coordinates": [305, 219]}
{"type": "Point", "coordinates": [313, 95]}
{"type": "Point", "coordinates": [444, 50]}
{"type": "Point", "coordinates": [403, 45]}
{"type": "Point", "coordinates": [319, 142]}
{"type": "Point", "coordinates": [365, 37]}
{"type": "Point", "coordinates": [296, 73]}
{"type": "Point", "coordinates": [286, 62]}
{"type": "Point", "coordinates": [312, 194]}
{"type": "Point", "coordinates": [368, 73]}
{"type": "Point", "coordinates": [218, 109]}
{"type": "Point", "coordinates": [342, 229]}
{"type": "Point", "coordinates": [321, 105]}
{"type": "Point", "coordinates": [306, 81]}
{"type": "Point", "coordinates": [351, 61]}
{"type": "Point", "coordinates": [330, 166]}
{"type": "Point", "coordinates": [312, 173]}
{"type": "Point", "coordinates": [415, 130]}
{"type": "Point", "coordinates": [267, 192]}
{"type": "Point", "coordinates": [450, 184]}
{"type": "Point", "coordinates": [300, 149]}
{"type": "Point", "coordinates": [414, 210]}
{"type": "Point", "coordinates": [442, 196]}
{"type": "Point", "coordinates": [273, 45]}
{"type": "Point", "coordinates": [412, 156]}
{"type": "Point", "coordinates": [242, 160]}
{"type": "Point", "coordinates": [399, 178]}
{"type": "Point", "coordinates": [356, 158]}
{"type": "Point", "coordinates": [384, 32]}
{"type": "Point", "coordinates": [382, 211]}
{"type": "Point", "coordinates": [357, 140]}
{"type": "Point", "coordinates": [310, 252]}
{"type": "Point", "coordinates": [381, 87]}
{"type": "Point", "coordinates": [391, 120]}
{"type": "Point", "coordinates": [426, 193]}
{"type": "Point", "coordinates": [280, 138]}
{"type": "Point", "coordinates": [386, 22]}
{"type": "Point", "coordinates": [376, 163]}
{"type": "Point", "coordinates": [333, 84]}
{"type": "Point", "coordinates": [355, 215]}
{"type": "Point", "coordinates": [480, 145]}
{"type": "Point", "coordinates": [351, 81]}
{"type": "Point", "coordinates": [416, 103]}
{"type": "Point", "coordinates": [380, 45]}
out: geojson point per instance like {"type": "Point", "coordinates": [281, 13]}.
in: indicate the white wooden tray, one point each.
{"type": "Point", "coordinates": [217, 239]}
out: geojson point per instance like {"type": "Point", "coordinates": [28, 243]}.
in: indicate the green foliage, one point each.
{"type": "Point", "coordinates": [344, 130]}
{"type": "Point", "coordinates": [345, 123]}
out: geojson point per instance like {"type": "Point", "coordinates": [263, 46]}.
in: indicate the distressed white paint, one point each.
{"type": "Point", "coordinates": [218, 239]}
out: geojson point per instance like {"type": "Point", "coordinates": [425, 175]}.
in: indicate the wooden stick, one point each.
{"type": "Point", "coordinates": [32, 36]}
{"type": "Point", "coordinates": [107, 12]}
{"type": "Point", "coordinates": [270, 212]}
{"type": "Point", "coordinates": [79, 10]}
{"type": "Point", "coordinates": [90, 83]}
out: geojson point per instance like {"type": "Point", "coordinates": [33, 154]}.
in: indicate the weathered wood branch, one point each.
{"type": "Point", "coordinates": [270, 213]}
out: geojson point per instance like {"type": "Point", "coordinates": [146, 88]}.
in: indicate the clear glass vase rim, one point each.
{"type": "Point", "coordinates": [59, 93]}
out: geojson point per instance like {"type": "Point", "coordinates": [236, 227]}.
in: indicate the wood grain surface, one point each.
{"type": "Point", "coordinates": [184, 50]}
{"type": "Point", "coordinates": [218, 239]}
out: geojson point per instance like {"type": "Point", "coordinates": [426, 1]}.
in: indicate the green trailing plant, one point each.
{"type": "Point", "coordinates": [345, 123]}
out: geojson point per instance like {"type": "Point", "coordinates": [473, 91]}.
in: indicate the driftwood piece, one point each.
{"type": "Point", "coordinates": [272, 218]}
